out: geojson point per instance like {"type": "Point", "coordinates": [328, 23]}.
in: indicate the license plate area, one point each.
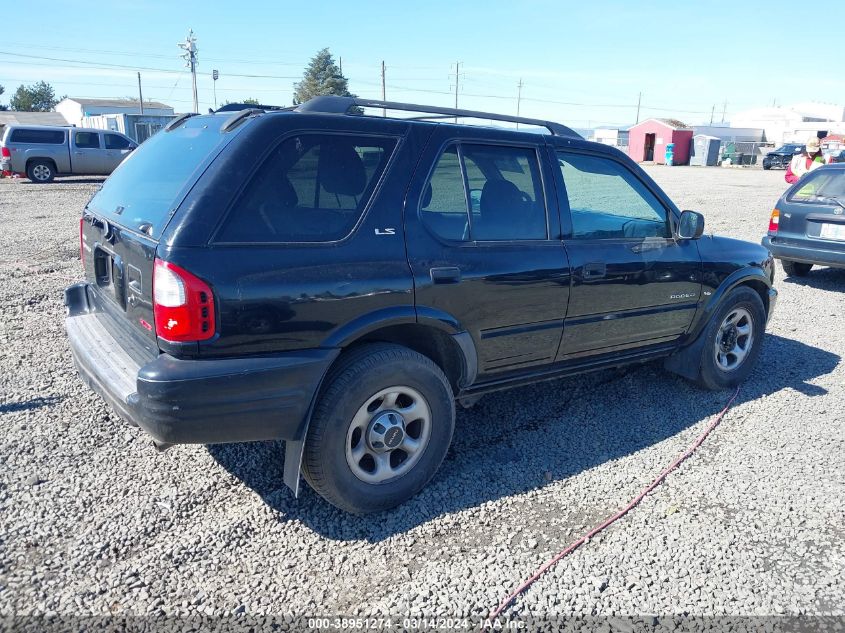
{"type": "Point", "coordinates": [103, 264]}
{"type": "Point", "coordinates": [828, 231]}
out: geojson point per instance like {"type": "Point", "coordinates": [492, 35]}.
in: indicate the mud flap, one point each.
{"type": "Point", "coordinates": [687, 361]}
{"type": "Point", "coordinates": [293, 463]}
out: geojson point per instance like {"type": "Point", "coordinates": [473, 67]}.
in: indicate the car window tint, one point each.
{"type": "Point", "coordinates": [826, 183]}
{"type": "Point", "coordinates": [607, 201]}
{"type": "Point", "coordinates": [506, 192]}
{"type": "Point", "coordinates": [87, 140]}
{"type": "Point", "coordinates": [46, 137]}
{"type": "Point", "coordinates": [115, 141]}
{"type": "Point", "coordinates": [312, 188]}
{"type": "Point", "coordinates": [444, 203]}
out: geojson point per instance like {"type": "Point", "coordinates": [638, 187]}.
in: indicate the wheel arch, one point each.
{"type": "Point", "coordinates": [686, 360]}
{"type": "Point", "coordinates": [41, 159]}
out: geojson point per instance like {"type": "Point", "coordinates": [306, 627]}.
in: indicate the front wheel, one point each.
{"type": "Point", "coordinates": [795, 269]}
{"type": "Point", "coordinates": [732, 340]}
{"type": "Point", "coordinates": [381, 429]}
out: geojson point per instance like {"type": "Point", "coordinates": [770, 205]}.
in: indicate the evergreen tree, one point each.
{"type": "Point", "coordinates": [38, 97]}
{"type": "Point", "coordinates": [321, 77]}
{"type": "Point", "coordinates": [2, 107]}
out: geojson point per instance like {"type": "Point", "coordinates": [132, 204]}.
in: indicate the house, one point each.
{"type": "Point", "coordinates": [75, 109]}
{"type": "Point", "coordinates": [647, 141]}
{"type": "Point", "coordinates": [11, 117]}
{"type": "Point", "coordinates": [794, 123]}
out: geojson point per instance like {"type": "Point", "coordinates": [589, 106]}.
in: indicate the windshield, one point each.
{"type": "Point", "coordinates": [145, 190]}
{"type": "Point", "coordinates": [824, 183]}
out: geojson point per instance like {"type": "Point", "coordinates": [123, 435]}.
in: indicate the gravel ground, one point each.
{"type": "Point", "coordinates": [95, 522]}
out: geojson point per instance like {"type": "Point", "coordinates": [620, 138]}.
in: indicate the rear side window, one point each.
{"type": "Point", "coordinates": [114, 141]}
{"type": "Point", "coordinates": [87, 140]}
{"type": "Point", "coordinates": [44, 137]}
{"type": "Point", "coordinates": [148, 186]}
{"type": "Point", "coordinates": [312, 188]}
{"type": "Point", "coordinates": [502, 199]}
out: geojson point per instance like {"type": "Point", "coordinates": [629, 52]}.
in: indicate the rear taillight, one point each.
{"type": "Point", "coordinates": [5, 153]}
{"type": "Point", "coordinates": [774, 222]}
{"type": "Point", "coordinates": [182, 304]}
{"type": "Point", "coordinates": [81, 241]}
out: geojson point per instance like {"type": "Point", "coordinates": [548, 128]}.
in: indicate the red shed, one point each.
{"type": "Point", "coordinates": [647, 141]}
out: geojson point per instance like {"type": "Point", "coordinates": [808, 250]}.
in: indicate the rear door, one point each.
{"type": "Point", "coordinates": [632, 284]}
{"type": "Point", "coordinates": [87, 156]}
{"type": "Point", "coordinates": [482, 234]}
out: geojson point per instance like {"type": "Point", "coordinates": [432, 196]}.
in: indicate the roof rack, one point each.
{"type": "Point", "coordinates": [343, 105]}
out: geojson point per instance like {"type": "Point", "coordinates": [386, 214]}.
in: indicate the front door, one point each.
{"type": "Point", "coordinates": [87, 154]}
{"type": "Point", "coordinates": [633, 284]}
{"type": "Point", "coordinates": [483, 241]}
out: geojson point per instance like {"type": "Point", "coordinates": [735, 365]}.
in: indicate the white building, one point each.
{"type": "Point", "coordinates": [793, 123]}
{"type": "Point", "coordinates": [617, 137]}
{"type": "Point", "coordinates": [75, 109]}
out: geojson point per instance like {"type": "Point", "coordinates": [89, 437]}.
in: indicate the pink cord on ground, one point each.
{"type": "Point", "coordinates": [571, 548]}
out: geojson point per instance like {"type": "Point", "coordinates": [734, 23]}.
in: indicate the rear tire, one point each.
{"type": "Point", "coordinates": [795, 269]}
{"type": "Point", "coordinates": [40, 171]}
{"type": "Point", "coordinates": [732, 340]}
{"type": "Point", "coordinates": [381, 428]}
{"type": "Point", "coordinates": [765, 166]}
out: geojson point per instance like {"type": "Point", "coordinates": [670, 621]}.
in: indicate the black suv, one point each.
{"type": "Point", "coordinates": [782, 156]}
{"type": "Point", "coordinates": [339, 280]}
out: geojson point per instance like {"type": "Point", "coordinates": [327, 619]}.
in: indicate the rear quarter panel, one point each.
{"type": "Point", "coordinates": [281, 297]}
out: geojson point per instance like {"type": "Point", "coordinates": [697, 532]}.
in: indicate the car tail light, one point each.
{"type": "Point", "coordinates": [183, 304]}
{"type": "Point", "coordinates": [5, 153]}
{"type": "Point", "coordinates": [774, 222]}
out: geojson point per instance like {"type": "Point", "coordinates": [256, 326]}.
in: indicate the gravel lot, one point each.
{"type": "Point", "coordinates": [94, 521]}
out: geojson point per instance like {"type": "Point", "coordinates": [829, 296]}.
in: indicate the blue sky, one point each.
{"type": "Point", "coordinates": [582, 63]}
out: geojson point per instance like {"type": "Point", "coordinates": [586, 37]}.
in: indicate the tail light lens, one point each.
{"type": "Point", "coordinates": [774, 222]}
{"type": "Point", "coordinates": [5, 153]}
{"type": "Point", "coordinates": [182, 304]}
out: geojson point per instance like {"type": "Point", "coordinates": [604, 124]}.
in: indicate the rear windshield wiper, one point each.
{"type": "Point", "coordinates": [833, 199]}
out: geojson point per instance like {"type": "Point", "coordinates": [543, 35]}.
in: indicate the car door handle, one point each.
{"type": "Point", "coordinates": [446, 275]}
{"type": "Point", "coordinates": [595, 270]}
{"type": "Point", "coordinates": [78, 153]}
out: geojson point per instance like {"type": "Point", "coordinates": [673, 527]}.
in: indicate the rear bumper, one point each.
{"type": "Point", "coordinates": [808, 254]}
{"type": "Point", "coordinates": [201, 401]}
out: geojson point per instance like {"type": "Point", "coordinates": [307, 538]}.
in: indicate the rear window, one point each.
{"type": "Point", "coordinates": [312, 188]}
{"type": "Point", "coordinates": [42, 137]}
{"type": "Point", "coordinates": [148, 186]}
{"type": "Point", "coordinates": [822, 183]}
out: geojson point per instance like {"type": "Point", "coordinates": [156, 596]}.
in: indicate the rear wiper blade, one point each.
{"type": "Point", "coordinates": [833, 199]}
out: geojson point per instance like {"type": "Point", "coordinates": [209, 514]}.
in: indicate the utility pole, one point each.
{"type": "Point", "coordinates": [140, 95]}
{"type": "Point", "coordinates": [724, 110]}
{"type": "Point", "coordinates": [639, 100]}
{"type": "Point", "coordinates": [712, 112]}
{"type": "Point", "coordinates": [190, 57]}
{"type": "Point", "coordinates": [340, 64]}
{"type": "Point", "coordinates": [383, 90]}
{"type": "Point", "coordinates": [518, 99]}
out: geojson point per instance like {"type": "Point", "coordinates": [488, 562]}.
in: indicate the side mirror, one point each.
{"type": "Point", "coordinates": [690, 226]}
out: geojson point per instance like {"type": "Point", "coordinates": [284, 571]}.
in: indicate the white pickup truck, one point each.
{"type": "Point", "coordinates": [43, 152]}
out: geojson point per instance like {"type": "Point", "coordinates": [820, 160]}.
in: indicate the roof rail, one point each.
{"type": "Point", "coordinates": [343, 105]}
